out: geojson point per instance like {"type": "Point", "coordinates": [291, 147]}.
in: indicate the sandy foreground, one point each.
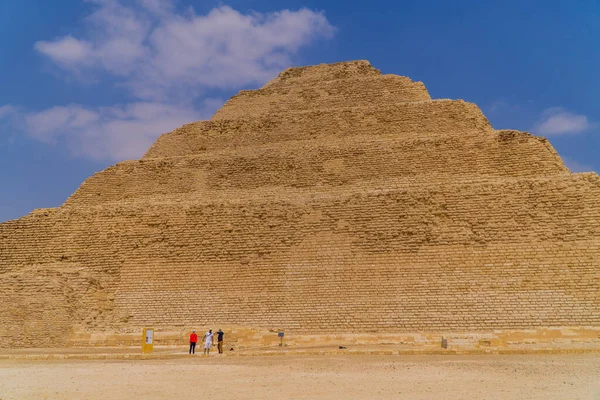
{"type": "Point", "coordinates": [308, 377]}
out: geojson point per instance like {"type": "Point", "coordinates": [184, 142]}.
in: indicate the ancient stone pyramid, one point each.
{"type": "Point", "coordinates": [334, 199]}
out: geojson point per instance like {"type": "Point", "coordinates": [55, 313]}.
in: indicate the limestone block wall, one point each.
{"type": "Point", "coordinates": [408, 121]}
{"type": "Point", "coordinates": [56, 271]}
{"type": "Point", "coordinates": [425, 261]}
{"type": "Point", "coordinates": [316, 74]}
{"type": "Point", "coordinates": [321, 287]}
{"type": "Point", "coordinates": [332, 94]}
{"type": "Point", "coordinates": [333, 200]}
{"type": "Point", "coordinates": [321, 164]}
{"type": "Point", "coordinates": [42, 303]}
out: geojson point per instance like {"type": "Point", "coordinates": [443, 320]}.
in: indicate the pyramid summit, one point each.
{"type": "Point", "coordinates": [333, 200]}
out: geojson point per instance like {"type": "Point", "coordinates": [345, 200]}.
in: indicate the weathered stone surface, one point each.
{"type": "Point", "coordinates": [333, 200]}
{"type": "Point", "coordinates": [405, 121]}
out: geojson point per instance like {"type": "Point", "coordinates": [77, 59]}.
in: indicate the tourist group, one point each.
{"type": "Point", "coordinates": [208, 341]}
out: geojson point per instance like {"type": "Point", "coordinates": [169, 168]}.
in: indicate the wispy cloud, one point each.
{"type": "Point", "coordinates": [576, 166]}
{"type": "Point", "coordinates": [7, 111]}
{"type": "Point", "coordinates": [500, 104]}
{"type": "Point", "coordinates": [558, 121]}
{"type": "Point", "coordinates": [8, 124]}
{"type": "Point", "coordinates": [160, 54]}
{"type": "Point", "coordinates": [66, 51]}
{"type": "Point", "coordinates": [114, 133]}
{"type": "Point", "coordinates": [168, 61]}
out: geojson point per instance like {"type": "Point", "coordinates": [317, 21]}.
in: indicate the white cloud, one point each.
{"type": "Point", "coordinates": [8, 124]}
{"type": "Point", "coordinates": [157, 7]}
{"type": "Point", "coordinates": [224, 49]}
{"type": "Point", "coordinates": [66, 51]}
{"type": "Point", "coordinates": [7, 111]}
{"type": "Point", "coordinates": [9, 116]}
{"type": "Point", "coordinates": [168, 61]}
{"type": "Point", "coordinates": [558, 121]}
{"type": "Point", "coordinates": [49, 124]}
{"type": "Point", "coordinates": [576, 166]}
{"type": "Point", "coordinates": [116, 133]}
{"type": "Point", "coordinates": [159, 53]}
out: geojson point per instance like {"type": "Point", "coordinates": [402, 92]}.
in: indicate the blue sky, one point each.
{"type": "Point", "coordinates": [84, 84]}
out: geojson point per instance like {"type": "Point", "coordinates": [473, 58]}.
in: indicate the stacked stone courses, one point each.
{"type": "Point", "coordinates": [332, 200]}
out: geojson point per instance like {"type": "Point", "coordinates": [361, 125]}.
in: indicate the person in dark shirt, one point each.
{"type": "Point", "coordinates": [220, 341]}
{"type": "Point", "coordinates": [193, 340]}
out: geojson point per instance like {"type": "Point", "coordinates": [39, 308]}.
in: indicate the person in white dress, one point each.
{"type": "Point", "coordinates": [208, 339]}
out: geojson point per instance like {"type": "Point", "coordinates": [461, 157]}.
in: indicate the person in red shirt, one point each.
{"type": "Point", "coordinates": [193, 340]}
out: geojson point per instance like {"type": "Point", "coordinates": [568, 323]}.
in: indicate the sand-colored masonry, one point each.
{"type": "Point", "coordinates": [333, 200]}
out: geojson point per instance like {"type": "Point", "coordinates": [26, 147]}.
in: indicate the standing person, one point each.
{"type": "Point", "coordinates": [208, 339]}
{"type": "Point", "coordinates": [220, 341]}
{"type": "Point", "coordinates": [193, 340]}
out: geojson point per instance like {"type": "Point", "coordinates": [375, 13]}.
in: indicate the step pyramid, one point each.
{"type": "Point", "coordinates": [332, 200]}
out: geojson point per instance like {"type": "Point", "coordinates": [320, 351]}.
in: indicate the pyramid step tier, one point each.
{"type": "Point", "coordinates": [454, 256]}
{"type": "Point", "coordinates": [409, 121]}
{"type": "Point", "coordinates": [518, 285]}
{"type": "Point", "coordinates": [464, 213]}
{"type": "Point", "coordinates": [317, 74]}
{"type": "Point", "coordinates": [431, 289]}
{"type": "Point", "coordinates": [325, 163]}
{"type": "Point", "coordinates": [350, 92]}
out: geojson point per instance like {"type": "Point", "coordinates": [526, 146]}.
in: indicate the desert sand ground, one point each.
{"type": "Point", "coordinates": [564, 377]}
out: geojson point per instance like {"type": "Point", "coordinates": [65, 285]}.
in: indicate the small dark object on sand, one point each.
{"type": "Point", "coordinates": [342, 347]}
